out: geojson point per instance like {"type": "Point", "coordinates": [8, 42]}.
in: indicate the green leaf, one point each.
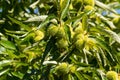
{"type": "Point", "coordinates": [4, 71]}
{"type": "Point", "coordinates": [99, 60]}
{"type": "Point", "coordinates": [103, 57]}
{"type": "Point", "coordinates": [8, 44]}
{"type": "Point", "coordinates": [18, 74]}
{"type": "Point", "coordinates": [26, 27]}
{"type": "Point", "coordinates": [85, 56]}
{"type": "Point", "coordinates": [47, 20]}
{"type": "Point", "coordinates": [105, 46]}
{"type": "Point", "coordinates": [3, 77]}
{"type": "Point", "coordinates": [2, 21]}
{"type": "Point", "coordinates": [113, 35]}
{"type": "Point", "coordinates": [99, 30]}
{"type": "Point", "coordinates": [5, 62]}
{"type": "Point", "coordinates": [49, 46]}
{"type": "Point", "coordinates": [49, 62]}
{"type": "Point", "coordinates": [28, 37]}
{"type": "Point", "coordinates": [85, 22]}
{"type": "Point", "coordinates": [110, 23]}
{"type": "Point", "coordinates": [33, 5]}
{"type": "Point", "coordinates": [75, 18]}
{"type": "Point", "coordinates": [15, 32]}
{"type": "Point", "coordinates": [104, 6]}
{"type": "Point", "coordinates": [19, 64]}
{"type": "Point", "coordinates": [79, 76]}
{"type": "Point", "coordinates": [64, 8]}
{"type": "Point", "coordinates": [70, 77]}
{"type": "Point", "coordinates": [101, 73]}
{"type": "Point", "coordinates": [13, 36]}
{"type": "Point", "coordinates": [2, 49]}
{"type": "Point", "coordinates": [83, 64]}
{"type": "Point", "coordinates": [87, 77]}
{"type": "Point", "coordinates": [37, 18]}
{"type": "Point", "coordinates": [67, 31]}
{"type": "Point", "coordinates": [51, 77]}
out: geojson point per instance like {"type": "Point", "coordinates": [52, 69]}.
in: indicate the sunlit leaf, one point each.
{"type": "Point", "coordinates": [8, 44]}
{"type": "Point", "coordinates": [102, 74]}
{"type": "Point", "coordinates": [87, 77]}
{"type": "Point", "coordinates": [5, 62]}
{"type": "Point", "coordinates": [34, 4]}
{"type": "Point", "coordinates": [110, 23]}
{"type": "Point", "coordinates": [114, 35]}
{"type": "Point", "coordinates": [4, 71]}
{"type": "Point", "coordinates": [18, 74]}
{"type": "Point", "coordinates": [85, 22]}
{"type": "Point", "coordinates": [49, 62]}
{"type": "Point", "coordinates": [102, 5]}
{"type": "Point", "coordinates": [24, 58]}
{"type": "Point", "coordinates": [37, 18]}
{"type": "Point", "coordinates": [64, 8]}
{"type": "Point", "coordinates": [2, 21]}
{"type": "Point", "coordinates": [70, 77]}
{"type": "Point", "coordinates": [15, 32]}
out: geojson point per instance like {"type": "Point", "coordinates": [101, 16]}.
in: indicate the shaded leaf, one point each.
{"type": "Point", "coordinates": [19, 64]}
{"type": "Point", "coordinates": [103, 56]}
{"type": "Point", "coordinates": [104, 45]}
{"type": "Point", "coordinates": [99, 60]}
{"type": "Point", "coordinates": [75, 18]}
{"type": "Point", "coordinates": [47, 49]}
{"type": "Point", "coordinates": [48, 19]}
{"type": "Point", "coordinates": [26, 27]}
{"type": "Point", "coordinates": [79, 76]}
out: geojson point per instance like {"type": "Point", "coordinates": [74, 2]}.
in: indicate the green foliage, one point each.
{"type": "Point", "coordinates": [59, 39]}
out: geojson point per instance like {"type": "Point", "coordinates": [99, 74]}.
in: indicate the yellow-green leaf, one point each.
{"type": "Point", "coordinates": [8, 44]}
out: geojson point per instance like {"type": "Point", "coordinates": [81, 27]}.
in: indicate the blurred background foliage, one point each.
{"type": "Point", "coordinates": [59, 39]}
